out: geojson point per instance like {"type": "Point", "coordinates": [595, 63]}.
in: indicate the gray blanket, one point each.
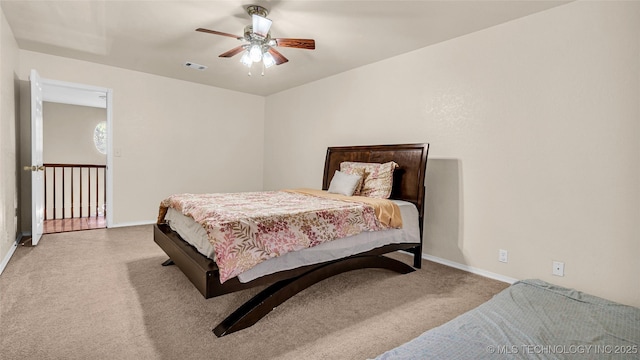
{"type": "Point", "coordinates": [532, 319]}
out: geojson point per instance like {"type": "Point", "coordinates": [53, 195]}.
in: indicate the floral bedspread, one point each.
{"type": "Point", "coordinates": [248, 228]}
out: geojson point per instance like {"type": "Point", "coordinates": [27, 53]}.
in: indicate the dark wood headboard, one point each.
{"type": "Point", "coordinates": [408, 179]}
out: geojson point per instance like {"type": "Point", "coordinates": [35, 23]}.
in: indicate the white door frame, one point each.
{"type": "Point", "coordinates": [80, 94]}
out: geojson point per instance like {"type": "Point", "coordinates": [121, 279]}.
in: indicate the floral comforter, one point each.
{"type": "Point", "coordinates": [248, 228]}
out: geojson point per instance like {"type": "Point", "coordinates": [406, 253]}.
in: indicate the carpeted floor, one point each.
{"type": "Point", "coordinates": [102, 294]}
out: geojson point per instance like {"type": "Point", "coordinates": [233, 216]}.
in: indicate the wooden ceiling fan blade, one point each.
{"type": "Point", "coordinates": [232, 52]}
{"type": "Point", "coordinates": [308, 44]}
{"type": "Point", "coordinates": [279, 58]}
{"type": "Point", "coordinates": [218, 33]}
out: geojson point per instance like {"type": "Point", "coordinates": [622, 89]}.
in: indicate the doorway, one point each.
{"type": "Point", "coordinates": [77, 157]}
{"type": "Point", "coordinates": [74, 159]}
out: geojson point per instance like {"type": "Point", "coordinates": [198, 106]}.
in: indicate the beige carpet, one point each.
{"type": "Point", "coordinates": [102, 294]}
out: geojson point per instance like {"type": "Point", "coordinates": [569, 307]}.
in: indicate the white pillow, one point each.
{"type": "Point", "coordinates": [344, 184]}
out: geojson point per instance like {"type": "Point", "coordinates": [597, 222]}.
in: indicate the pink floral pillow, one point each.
{"type": "Point", "coordinates": [378, 178]}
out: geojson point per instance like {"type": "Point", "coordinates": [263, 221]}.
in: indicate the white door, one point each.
{"type": "Point", "coordinates": [37, 167]}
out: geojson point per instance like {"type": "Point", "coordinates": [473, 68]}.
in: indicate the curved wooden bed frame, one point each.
{"type": "Point", "coordinates": [203, 272]}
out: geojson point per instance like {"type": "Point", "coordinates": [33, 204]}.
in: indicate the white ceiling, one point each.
{"type": "Point", "coordinates": [158, 37]}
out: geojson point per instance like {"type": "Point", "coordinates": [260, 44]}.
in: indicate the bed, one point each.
{"type": "Point", "coordinates": [532, 319]}
{"type": "Point", "coordinates": [287, 275]}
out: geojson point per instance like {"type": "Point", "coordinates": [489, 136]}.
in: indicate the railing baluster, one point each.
{"type": "Point", "coordinates": [54, 194]}
{"type": "Point", "coordinates": [104, 192]}
{"type": "Point", "coordinates": [97, 202]}
{"type": "Point", "coordinates": [45, 192]}
{"type": "Point", "coordinates": [72, 204]}
{"type": "Point", "coordinates": [89, 193]}
{"type": "Point", "coordinates": [63, 198]}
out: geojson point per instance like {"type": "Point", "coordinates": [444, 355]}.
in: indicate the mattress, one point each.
{"type": "Point", "coordinates": [194, 234]}
{"type": "Point", "coordinates": [532, 319]}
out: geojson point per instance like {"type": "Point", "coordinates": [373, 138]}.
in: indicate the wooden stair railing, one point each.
{"type": "Point", "coordinates": [65, 181]}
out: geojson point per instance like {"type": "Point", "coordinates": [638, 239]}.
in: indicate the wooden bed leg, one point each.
{"type": "Point", "coordinates": [268, 299]}
{"type": "Point", "coordinates": [417, 257]}
{"type": "Point", "coordinates": [168, 262]}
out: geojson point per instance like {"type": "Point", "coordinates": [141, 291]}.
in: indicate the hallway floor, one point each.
{"type": "Point", "coordinates": [73, 224]}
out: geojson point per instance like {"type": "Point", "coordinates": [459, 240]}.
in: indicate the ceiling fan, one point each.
{"type": "Point", "coordinates": [259, 45]}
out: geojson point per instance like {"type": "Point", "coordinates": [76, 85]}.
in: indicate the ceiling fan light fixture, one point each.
{"type": "Point", "coordinates": [255, 52]}
{"type": "Point", "coordinates": [268, 60]}
{"type": "Point", "coordinates": [246, 59]}
{"type": "Point", "coordinates": [261, 25]}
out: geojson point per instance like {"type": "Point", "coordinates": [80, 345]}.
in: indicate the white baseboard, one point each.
{"type": "Point", "coordinates": [6, 259]}
{"type": "Point", "coordinates": [133, 223]}
{"type": "Point", "coordinates": [471, 269]}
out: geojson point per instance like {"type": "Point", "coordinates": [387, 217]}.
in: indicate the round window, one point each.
{"type": "Point", "coordinates": [100, 137]}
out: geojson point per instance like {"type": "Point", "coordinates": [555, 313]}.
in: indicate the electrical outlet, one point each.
{"type": "Point", "coordinates": [502, 255]}
{"type": "Point", "coordinates": [558, 268]}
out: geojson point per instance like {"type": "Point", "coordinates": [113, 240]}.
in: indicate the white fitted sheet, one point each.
{"type": "Point", "coordinates": [194, 234]}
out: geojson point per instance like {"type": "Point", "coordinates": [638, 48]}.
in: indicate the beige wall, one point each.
{"type": "Point", "coordinates": [171, 136]}
{"type": "Point", "coordinates": [8, 131]}
{"type": "Point", "coordinates": [68, 134]}
{"type": "Point", "coordinates": [533, 127]}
